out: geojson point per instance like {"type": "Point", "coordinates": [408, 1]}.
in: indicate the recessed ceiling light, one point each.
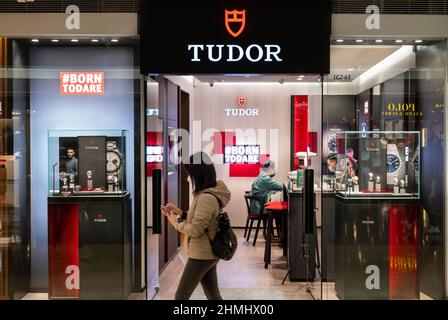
{"type": "Point", "coordinates": [398, 41]}
{"type": "Point", "coordinates": [55, 40]}
{"type": "Point", "coordinates": [301, 76]}
{"type": "Point", "coordinates": [418, 41]}
{"type": "Point", "coordinates": [35, 40]}
{"type": "Point", "coordinates": [114, 40]}
{"type": "Point", "coordinates": [74, 40]}
{"type": "Point", "coordinates": [351, 69]}
{"type": "Point", "coordinates": [95, 40]}
{"type": "Point", "coordinates": [378, 41]}
{"type": "Point", "coordinates": [340, 40]}
{"type": "Point", "coordinates": [359, 41]}
{"type": "Point", "coordinates": [299, 79]}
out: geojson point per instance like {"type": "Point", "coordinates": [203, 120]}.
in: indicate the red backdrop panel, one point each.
{"type": "Point", "coordinates": [312, 141]}
{"type": "Point", "coordinates": [403, 252]}
{"type": "Point", "coordinates": [153, 138]}
{"type": "Point", "coordinates": [63, 247]}
{"type": "Point", "coordinates": [300, 126]}
{"type": "Point", "coordinates": [244, 170]}
{"type": "Point", "coordinates": [221, 139]}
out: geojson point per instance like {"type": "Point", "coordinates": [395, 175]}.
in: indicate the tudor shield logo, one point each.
{"type": "Point", "coordinates": [235, 22]}
{"type": "Point", "coordinates": [242, 101]}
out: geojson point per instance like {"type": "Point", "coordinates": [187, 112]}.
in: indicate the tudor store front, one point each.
{"type": "Point", "coordinates": [94, 134]}
{"type": "Point", "coordinates": [349, 143]}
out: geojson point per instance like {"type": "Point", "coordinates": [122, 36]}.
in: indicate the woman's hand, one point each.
{"type": "Point", "coordinates": [172, 219]}
{"type": "Point", "coordinates": [173, 209]}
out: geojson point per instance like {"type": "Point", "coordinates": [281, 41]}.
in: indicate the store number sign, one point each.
{"type": "Point", "coordinates": [81, 83]}
{"type": "Point", "coordinates": [243, 154]}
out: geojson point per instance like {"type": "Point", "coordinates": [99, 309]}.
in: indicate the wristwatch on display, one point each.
{"type": "Point", "coordinates": [394, 163]}
{"type": "Point", "coordinates": [114, 159]}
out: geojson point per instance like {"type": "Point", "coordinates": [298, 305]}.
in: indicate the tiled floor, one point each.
{"type": "Point", "coordinates": [244, 277]}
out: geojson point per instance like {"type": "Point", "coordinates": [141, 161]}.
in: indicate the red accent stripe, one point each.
{"type": "Point", "coordinates": [403, 252]}
{"type": "Point", "coordinates": [63, 247]}
{"type": "Point", "coordinates": [300, 126]}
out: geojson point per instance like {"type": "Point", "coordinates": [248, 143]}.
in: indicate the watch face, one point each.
{"type": "Point", "coordinates": [113, 161]}
{"type": "Point", "coordinates": [393, 163]}
{"type": "Point", "coordinates": [332, 143]}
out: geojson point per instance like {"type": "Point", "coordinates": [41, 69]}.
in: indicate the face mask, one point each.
{"type": "Point", "coordinates": [331, 170]}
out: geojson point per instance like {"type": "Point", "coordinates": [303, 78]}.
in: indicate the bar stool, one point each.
{"type": "Point", "coordinates": [254, 216]}
{"type": "Point", "coordinates": [275, 209]}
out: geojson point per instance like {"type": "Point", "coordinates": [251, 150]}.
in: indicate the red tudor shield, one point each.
{"type": "Point", "coordinates": [242, 101]}
{"type": "Point", "coordinates": [235, 22]}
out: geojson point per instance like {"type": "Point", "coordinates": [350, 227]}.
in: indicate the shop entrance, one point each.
{"type": "Point", "coordinates": [242, 122]}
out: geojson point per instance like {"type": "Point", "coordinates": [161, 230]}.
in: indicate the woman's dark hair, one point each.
{"type": "Point", "coordinates": [202, 172]}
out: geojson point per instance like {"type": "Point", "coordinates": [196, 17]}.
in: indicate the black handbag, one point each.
{"type": "Point", "coordinates": [225, 242]}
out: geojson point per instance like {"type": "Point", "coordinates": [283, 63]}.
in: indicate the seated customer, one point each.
{"type": "Point", "coordinates": [264, 185]}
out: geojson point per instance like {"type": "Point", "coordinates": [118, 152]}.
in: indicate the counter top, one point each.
{"type": "Point", "coordinates": [99, 198]}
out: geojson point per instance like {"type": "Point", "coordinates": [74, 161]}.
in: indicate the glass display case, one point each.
{"type": "Point", "coordinates": [378, 164]}
{"type": "Point", "coordinates": [86, 163]}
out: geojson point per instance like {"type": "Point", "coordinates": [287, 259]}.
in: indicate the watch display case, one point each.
{"type": "Point", "coordinates": [378, 164]}
{"type": "Point", "coordinates": [85, 163]}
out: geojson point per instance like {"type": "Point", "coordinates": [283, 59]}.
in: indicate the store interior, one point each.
{"type": "Point", "coordinates": [391, 92]}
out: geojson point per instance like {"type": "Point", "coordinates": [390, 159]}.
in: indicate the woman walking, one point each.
{"type": "Point", "coordinates": [199, 225]}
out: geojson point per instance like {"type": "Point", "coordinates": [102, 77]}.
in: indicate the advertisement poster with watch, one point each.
{"type": "Point", "coordinates": [115, 168]}
{"type": "Point", "coordinates": [92, 164]}
{"type": "Point", "coordinates": [330, 138]}
{"type": "Point", "coordinates": [395, 163]}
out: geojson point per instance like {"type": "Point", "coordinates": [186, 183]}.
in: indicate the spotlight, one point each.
{"type": "Point", "coordinates": [35, 40]}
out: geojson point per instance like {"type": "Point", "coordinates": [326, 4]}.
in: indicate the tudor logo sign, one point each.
{"type": "Point", "coordinates": [235, 23]}
{"type": "Point", "coordinates": [242, 101]}
{"type": "Point", "coordinates": [241, 111]}
{"type": "Point", "coordinates": [235, 19]}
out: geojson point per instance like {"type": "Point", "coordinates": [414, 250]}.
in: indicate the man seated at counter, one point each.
{"type": "Point", "coordinates": [264, 185]}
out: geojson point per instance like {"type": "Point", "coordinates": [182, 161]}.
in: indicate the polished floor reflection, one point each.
{"type": "Point", "coordinates": [242, 278]}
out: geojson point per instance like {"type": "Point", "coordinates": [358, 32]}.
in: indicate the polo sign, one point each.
{"type": "Point", "coordinates": [81, 83]}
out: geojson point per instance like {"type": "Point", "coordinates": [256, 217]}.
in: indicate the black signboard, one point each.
{"type": "Point", "coordinates": [235, 37]}
{"type": "Point", "coordinates": [92, 162]}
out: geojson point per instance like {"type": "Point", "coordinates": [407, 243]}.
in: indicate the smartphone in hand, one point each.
{"type": "Point", "coordinates": [165, 210]}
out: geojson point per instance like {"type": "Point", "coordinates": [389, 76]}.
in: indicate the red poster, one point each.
{"type": "Point", "coordinates": [81, 83]}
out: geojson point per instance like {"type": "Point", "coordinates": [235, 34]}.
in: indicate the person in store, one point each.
{"type": "Point", "coordinates": [332, 161]}
{"type": "Point", "coordinates": [352, 163]}
{"type": "Point", "coordinates": [199, 225]}
{"type": "Point", "coordinates": [264, 185]}
{"type": "Point", "coordinates": [71, 165]}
